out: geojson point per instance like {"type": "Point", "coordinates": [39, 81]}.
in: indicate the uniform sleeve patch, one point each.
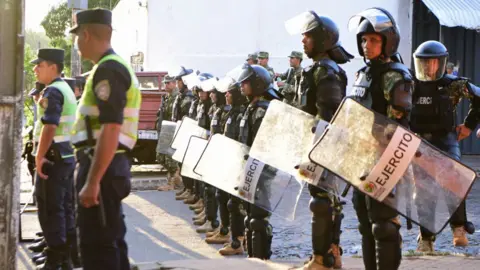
{"type": "Point", "coordinates": [103, 90]}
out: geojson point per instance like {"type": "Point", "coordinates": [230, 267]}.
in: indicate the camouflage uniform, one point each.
{"type": "Point", "coordinates": [291, 80]}
{"type": "Point", "coordinates": [166, 113]}
{"type": "Point", "coordinates": [268, 68]}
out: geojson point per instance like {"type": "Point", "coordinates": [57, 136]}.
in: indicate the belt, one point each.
{"type": "Point", "coordinates": [87, 150]}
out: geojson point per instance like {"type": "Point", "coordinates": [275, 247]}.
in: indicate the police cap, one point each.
{"type": "Point", "coordinates": [92, 16]}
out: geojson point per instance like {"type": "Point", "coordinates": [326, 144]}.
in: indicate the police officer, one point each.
{"type": "Point", "coordinates": [180, 108]}
{"type": "Point", "coordinates": [435, 98]}
{"type": "Point", "coordinates": [231, 212]}
{"type": "Point", "coordinates": [165, 112]}
{"type": "Point", "coordinates": [291, 78]}
{"type": "Point", "coordinates": [54, 158]}
{"type": "Point", "coordinates": [256, 85]}
{"type": "Point", "coordinates": [104, 133]}
{"type": "Point", "coordinates": [323, 86]}
{"type": "Point", "coordinates": [263, 58]}
{"type": "Point", "coordinates": [385, 86]}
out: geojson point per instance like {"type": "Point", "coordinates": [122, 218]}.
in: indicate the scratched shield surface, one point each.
{"type": "Point", "coordinates": [195, 148]}
{"type": "Point", "coordinates": [430, 190]}
{"type": "Point", "coordinates": [188, 128]}
{"type": "Point", "coordinates": [284, 140]}
{"type": "Point", "coordinates": [165, 138]}
{"type": "Point", "coordinates": [225, 164]}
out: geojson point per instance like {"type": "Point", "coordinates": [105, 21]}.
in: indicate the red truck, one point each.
{"type": "Point", "coordinates": [152, 89]}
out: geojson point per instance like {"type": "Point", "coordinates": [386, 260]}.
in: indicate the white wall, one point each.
{"type": "Point", "coordinates": [129, 22]}
{"type": "Point", "coordinates": [216, 35]}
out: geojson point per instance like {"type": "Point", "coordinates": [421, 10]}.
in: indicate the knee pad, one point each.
{"type": "Point", "coordinates": [320, 206]}
{"type": "Point", "coordinates": [231, 206]}
{"type": "Point", "coordinates": [210, 191]}
{"type": "Point", "coordinates": [386, 231]}
{"type": "Point", "coordinates": [364, 229]}
{"type": "Point", "coordinates": [258, 224]}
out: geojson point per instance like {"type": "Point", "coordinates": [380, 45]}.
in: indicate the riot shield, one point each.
{"type": "Point", "coordinates": [165, 138]}
{"type": "Point", "coordinates": [195, 148]}
{"type": "Point", "coordinates": [393, 165]}
{"type": "Point", "coordinates": [283, 141]}
{"type": "Point", "coordinates": [225, 164]}
{"type": "Point", "coordinates": [188, 128]}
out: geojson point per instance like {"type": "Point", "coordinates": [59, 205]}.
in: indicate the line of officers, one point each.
{"type": "Point", "coordinates": [424, 101]}
{"type": "Point", "coordinates": [81, 151]}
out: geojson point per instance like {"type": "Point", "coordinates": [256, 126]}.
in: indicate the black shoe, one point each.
{"type": "Point", "coordinates": [38, 247]}
{"type": "Point", "coordinates": [39, 234]}
{"type": "Point", "coordinates": [54, 259]}
{"type": "Point", "coordinates": [38, 239]}
{"type": "Point", "coordinates": [38, 256]}
{"type": "Point", "coordinates": [41, 260]}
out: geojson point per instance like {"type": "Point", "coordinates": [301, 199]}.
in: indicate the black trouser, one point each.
{"type": "Point", "coordinates": [381, 239]}
{"type": "Point", "coordinates": [222, 202]}
{"type": "Point", "coordinates": [211, 205]}
{"type": "Point", "coordinates": [258, 232]}
{"type": "Point", "coordinates": [237, 224]}
{"type": "Point", "coordinates": [449, 144]}
{"type": "Point", "coordinates": [322, 224]}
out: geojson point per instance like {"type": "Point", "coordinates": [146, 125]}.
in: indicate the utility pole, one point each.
{"type": "Point", "coordinates": [76, 62]}
{"type": "Point", "coordinates": [11, 110]}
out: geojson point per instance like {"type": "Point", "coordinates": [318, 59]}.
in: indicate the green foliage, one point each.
{"type": "Point", "coordinates": [29, 83]}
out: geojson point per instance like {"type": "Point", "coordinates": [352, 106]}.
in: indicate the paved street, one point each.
{"type": "Point", "coordinates": [160, 230]}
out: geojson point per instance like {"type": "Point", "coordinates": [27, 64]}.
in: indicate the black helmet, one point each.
{"type": "Point", "coordinates": [259, 78]}
{"type": "Point", "coordinates": [378, 21]}
{"type": "Point", "coordinates": [324, 32]}
{"type": "Point", "coordinates": [430, 59]}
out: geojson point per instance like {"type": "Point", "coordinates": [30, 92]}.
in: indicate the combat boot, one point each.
{"type": "Point", "coordinates": [315, 263]}
{"type": "Point", "coordinates": [337, 255]}
{"type": "Point", "coordinates": [180, 192]}
{"type": "Point", "coordinates": [169, 185]}
{"type": "Point", "coordinates": [202, 215]}
{"type": "Point", "coordinates": [198, 210]}
{"type": "Point", "coordinates": [221, 237]}
{"type": "Point", "coordinates": [183, 196]}
{"type": "Point", "coordinates": [198, 205]}
{"type": "Point", "coordinates": [424, 245]}
{"type": "Point", "coordinates": [177, 182]}
{"type": "Point", "coordinates": [459, 237]}
{"type": "Point", "coordinates": [206, 227]}
{"type": "Point", "coordinates": [210, 234]}
{"type": "Point", "coordinates": [236, 247]}
{"type": "Point", "coordinates": [38, 256]}
{"type": "Point", "coordinates": [192, 199]}
{"type": "Point", "coordinates": [200, 222]}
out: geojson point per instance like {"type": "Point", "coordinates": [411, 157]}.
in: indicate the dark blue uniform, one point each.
{"type": "Point", "coordinates": [55, 194]}
{"type": "Point", "coordinates": [105, 247]}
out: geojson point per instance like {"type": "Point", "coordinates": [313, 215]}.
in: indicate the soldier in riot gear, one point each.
{"type": "Point", "coordinates": [180, 108]}
{"type": "Point", "coordinates": [323, 86]}
{"type": "Point", "coordinates": [207, 221]}
{"type": "Point", "coordinates": [256, 85]}
{"type": "Point", "coordinates": [385, 86]}
{"type": "Point", "coordinates": [435, 98]}
{"type": "Point", "coordinates": [165, 112]}
{"type": "Point", "coordinates": [231, 211]}
{"type": "Point", "coordinates": [219, 112]}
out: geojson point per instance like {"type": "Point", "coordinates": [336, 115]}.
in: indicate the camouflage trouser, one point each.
{"type": "Point", "coordinates": [167, 162]}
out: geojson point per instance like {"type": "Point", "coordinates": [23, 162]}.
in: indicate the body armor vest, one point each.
{"type": "Point", "coordinates": [202, 114]}
{"type": "Point", "coordinates": [232, 125]}
{"type": "Point", "coordinates": [433, 109]}
{"type": "Point", "coordinates": [245, 133]}
{"type": "Point", "coordinates": [218, 118]}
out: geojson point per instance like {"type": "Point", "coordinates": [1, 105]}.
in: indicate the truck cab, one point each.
{"type": "Point", "coordinates": [152, 89]}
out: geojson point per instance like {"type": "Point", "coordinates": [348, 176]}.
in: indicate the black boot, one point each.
{"type": "Point", "coordinates": [38, 247]}
{"type": "Point", "coordinates": [39, 234]}
{"type": "Point", "coordinates": [38, 239]}
{"type": "Point", "coordinates": [74, 252]}
{"type": "Point", "coordinates": [53, 260]}
{"type": "Point", "coordinates": [41, 260]}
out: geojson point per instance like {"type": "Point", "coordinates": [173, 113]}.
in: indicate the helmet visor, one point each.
{"type": "Point", "coordinates": [208, 85]}
{"type": "Point", "coordinates": [301, 23]}
{"type": "Point", "coordinates": [430, 69]}
{"type": "Point", "coordinates": [191, 80]}
{"type": "Point", "coordinates": [377, 18]}
{"type": "Point", "coordinates": [224, 84]}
